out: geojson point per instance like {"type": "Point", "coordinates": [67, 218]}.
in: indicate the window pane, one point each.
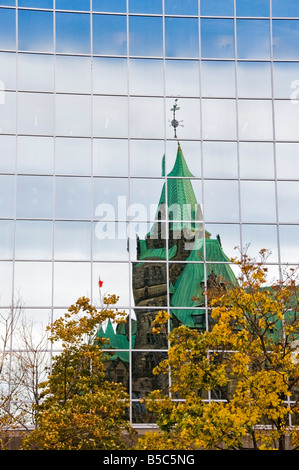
{"type": "Point", "coordinates": [182, 78]}
{"type": "Point", "coordinates": [8, 71]}
{"type": "Point", "coordinates": [217, 38]}
{"type": "Point", "coordinates": [35, 155]}
{"type": "Point", "coordinates": [255, 120]}
{"type": "Point", "coordinates": [73, 197]}
{"type": "Point", "coordinates": [119, 6]}
{"type": "Point", "coordinates": [144, 198]}
{"type": "Point", "coordinates": [146, 6]}
{"type": "Point", "coordinates": [221, 201]}
{"type": "Point", "coordinates": [285, 39]}
{"type": "Point", "coordinates": [188, 117]}
{"type": "Point", "coordinates": [256, 160]}
{"type": "Point", "coordinates": [109, 34]}
{"type": "Point", "coordinates": [110, 76]}
{"type": "Point", "coordinates": [146, 36]}
{"type": "Point", "coordinates": [8, 112]}
{"type": "Point", "coordinates": [73, 74]}
{"type": "Point", "coordinates": [36, 274]}
{"type": "Point", "coordinates": [110, 241]}
{"type": "Point", "coordinates": [253, 39]}
{"type": "Point", "coordinates": [35, 30]}
{"type": "Point", "coordinates": [286, 80]}
{"type": "Point", "coordinates": [258, 237]}
{"type": "Point", "coordinates": [7, 154]}
{"type": "Point", "coordinates": [254, 80]}
{"type": "Point", "coordinates": [253, 7]}
{"type": "Point", "coordinates": [73, 115]}
{"type": "Point", "coordinates": [71, 281]}
{"type": "Point", "coordinates": [7, 28]}
{"type": "Point", "coordinates": [219, 119]}
{"type": "Point", "coordinates": [73, 33]}
{"type": "Point", "coordinates": [212, 86]}
{"type": "Point", "coordinates": [35, 72]}
{"type": "Point", "coordinates": [147, 126]}
{"type": "Point", "coordinates": [115, 277]}
{"type": "Point", "coordinates": [286, 120]}
{"type": "Point", "coordinates": [73, 156]}
{"type": "Point", "coordinates": [36, 3]}
{"type": "Point", "coordinates": [6, 237]}
{"type": "Point", "coordinates": [220, 160]}
{"type": "Point", "coordinates": [215, 8]}
{"type": "Point", "coordinates": [181, 7]}
{"type": "Point", "coordinates": [72, 241]}
{"type": "Point", "coordinates": [258, 201]}
{"type": "Point", "coordinates": [288, 200]}
{"type": "Point", "coordinates": [192, 154]}
{"type": "Point", "coordinates": [8, 3]}
{"type": "Point", "coordinates": [287, 161]}
{"type": "Point", "coordinates": [7, 195]}
{"type": "Point", "coordinates": [289, 247]}
{"type": "Point", "coordinates": [289, 8]}
{"type": "Point", "coordinates": [33, 240]}
{"type": "Point", "coordinates": [110, 157]}
{"type": "Point", "coordinates": [146, 77]}
{"type": "Point", "coordinates": [110, 116]}
{"type": "Point", "coordinates": [6, 283]}
{"type": "Point", "coordinates": [110, 198]}
{"type": "Point", "coordinates": [181, 37]}
{"type": "Point", "coordinates": [82, 5]}
{"type": "Point", "coordinates": [35, 196]}
{"type": "Point", "coordinates": [150, 164]}
{"type": "Point", "coordinates": [229, 235]}
{"type": "Point", "coordinates": [35, 113]}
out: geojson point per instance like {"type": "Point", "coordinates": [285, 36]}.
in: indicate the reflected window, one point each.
{"type": "Point", "coordinates": [146, 6]}
{"type": "Point", "coordinates": [253, 7]}
{"type": "Point", "coordinates": [35, 72]}
{"type": "Point", "coordinates": [109, 34]}
{"type": "Point", "coordinates": [39, 275]}
{"type": "Point", "coordinates": [70, 281]}
{"type": "Point", "coordinates": [221, 201]}
{"type": "Point", "coordinates": [147, 126]}
{"type": "Point", "coordinates": [35, 113]}
{"type": "Point", "coordinates": [215, 8]}
{"type": "Point", "coordinates": [36, 3]}
{"type": "Point", "coordinates": [73, 74]}
{"type": "Point", "coordinates": [73, 32]}
{"type": "Point", "coordinates": [255, 120]}
{"type": "Point", "coordinates": [257, 237]}
{"type": "Point", "coordinates": [289, 8]}
{"type": "Point", "coordinates": [7, 195]}
{"type": "Point", "coordinates": [254, 80]}
{"type": "Point", "coordinates": [146, 157]}
{"type": "Point", "coordinates": [73, 115]}
{"type": "Point", "coordinates": [73, 197]}
{"type": "Point", "coordinates": [258, 201]}
{"type": "Point", "coordinates": [33, 240]}
{"type": "Point", "coordinates": [35, 30]}
{"type": "Point", "coordinates": [286, 80]}
{"type": "Point", "coordinates": [117, 6]}
{"type": "Point", "coordinates": [110, 198]}
{"type": "Point", "coordinates": [110, 116]}
{"type": "Point", "coordinates": [287, 161]}
{"type": "Point", "coordinates": [7, 154]}
{"type": "Point", "coordinates": [182, 78]}
{"type": "Point", "coordinates": [286, 120]}
{"type": "Point", "coordinates": [219, 119]}
{"type": "Point", "coordinates": [80, 5]}
{"type": "Point", "coordinates": [288, 200]}
{"type": "Point", "coordinates": [8, 72]}
{"type": "Point", "coordinates": [6, 237]}
{"type": "Point", "coordinates": [35, 155]}
{"type": "Point", "coordinates": [256, 160]}
{"type": "Point", "coordinates": [253, 39]}
{"type": "Point", "coordinates": [146, 77]}
{"type": "Point", "coordinates": [218, 79]}
{"type": "Point", "coordinates": [220, 160]}
{"type": "Point", "coordinates": [181, 7]}
{"type": "Point", "coordinates": [285, 39]}
{"type": "Point", "coordinates": [35, 196]}
{"type": "Point", "coordinates": [110, 241]}
{"type": "Point", "coordinates": [110, 157]}
{"type": "Point", "coordinates": [73, 156]}
{"type": "Point", "coordinates": [8, 112]}
{"type": "Point", "coordinates": [110, 76]}
{"type": "Point", "coordinates": [217, 38]}
{"type": "Point", "coordinates": [72, 240]}
{"type": "Point", "coordinates": [146, 36]}
{"type": "Point", "coordinates": [289, 247]}
{"type": "Point", "coordinates": [181, 37]}
{"type": "Point", "coordinates": [7, 28]}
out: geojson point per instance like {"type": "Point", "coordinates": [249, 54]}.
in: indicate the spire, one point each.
{"type": "Point", "coordinates": [175, 123]}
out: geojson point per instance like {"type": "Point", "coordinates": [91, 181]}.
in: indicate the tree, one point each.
{"type": "Point", "coordinates": [80, 409]}
{"type": "Point", "coordinates": [235, 386]}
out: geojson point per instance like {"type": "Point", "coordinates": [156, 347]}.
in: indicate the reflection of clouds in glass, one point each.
{"type": "Point", "coordinates": [254, 80]}
{"type": "Point", "coordinates": [258, 237]}
{"type": "Point", "coordinates": [73, 32]}
{"type": "Point", "coordinates": [289, 236]}
{"type": "Point", "coordinates": [147, 117]}
{"type": "Point", "coordinates": [258, 201]}
{"type": "Point", "coordinates": [35, 72]}
{"type": "Point", "coordinates": [72, 240]}
{"type": "Point", "coordinates": [109, 34]}
{"type": "Point", "coordinates": [73, 74]}
{"type": "Point", "coordinates": [286, 120]}
{"type": "Point", "coordinates": [182, 78]}
{"type": "Point", "coordinates": [35, 196]}
{"type": "Point", "coordinates": [7, 195]}
{"type": "Point", "coordinates": [221, 201]}
{"type": "Point", "coordinates": [110, 75]}
{"type": "Point", "coordinates": [116, 279]}
{"type": "Point", "coordinates": [71, 281]}
{"type": "Point", "coordinates": [33, 240]}
{"type": "Point", "coordinates": [73, 156]}
{"type": "Point", "coordinates": [110, 116]}
{"type": "Point", "coordinates": [7, 72]}
{"type": "Point", "coordinates": [219, 119]}
{"type": "Point", "coordinates": [288, 201]}
{"type": "Point", "coordinates": [256, 160]}
{"type": "Point", "coordinates": [73, 115]}
{"type": "Point", "coordinates": [35, 30]}
{"type": "Point", "coordinates": [8, 113]}
{"type": "Point", "coordinates": [146, 77]}
{"type": "Point", "coordinates": [7, 28]}
{"type": "Point", "coordinates": [8, 153]}
{"type": "Point", "coordinates": [6, 283]}
{"type": "Point", "coordinates": [6, 237]}
{"type": "Point", "coordinates": [253, 39]}
{"type": "Point", "coordinates": [255, 120]}
{"type": "Point", "coordinates": [285, 77]}
{"type": "Point", "coordinates": [218, 79]}
{"type": "Point", "coordinates": [215, 7]}
{"type": "Point", "coordinates": [253, 7]}
{"type": "Point", "coordinates": [35, 113]}
{"type": "Point", "coordinates": [33, 283]}
{"type": "Point", "coordinates": [73, 197]}
{"type": "Point", "coordinates": [35, 155]}
{"type": "Point", "coordinates": [146, 36]}
{"type": "Point", "coordinates": [110, 157]}
{"type": "Point", "coordinates": [220, 160]}
{"type": "Point", "coordinates": [285, 39]}
{"type": "Point", "coordinates": [217, 38]}
{"type": "Point", "coordinates": [287, 162]}
{"type": "Point", "coordinates": [181, 37]}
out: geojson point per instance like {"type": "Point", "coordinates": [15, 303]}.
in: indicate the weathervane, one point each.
{"type": "Point", "coordinates": [175, 123]}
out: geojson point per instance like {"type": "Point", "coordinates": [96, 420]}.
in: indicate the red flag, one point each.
{"type": "Point", "coordinates": [100, 283]}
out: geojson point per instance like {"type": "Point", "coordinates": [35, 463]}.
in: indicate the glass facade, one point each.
{"type": "Point", "coordinates": [86, 92]}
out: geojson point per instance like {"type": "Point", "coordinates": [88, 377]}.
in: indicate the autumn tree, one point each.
{"type": "Point", "coordinates": [235, 386]}
{"type": "Point", "coordinates": [80, 409]}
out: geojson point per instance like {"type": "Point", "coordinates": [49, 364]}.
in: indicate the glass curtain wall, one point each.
{"type": "Point", "coordinates": [87, 90]}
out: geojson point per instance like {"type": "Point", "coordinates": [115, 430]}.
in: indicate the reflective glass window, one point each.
{"type": "Point", "coordinates": [35, 72]}
{"type": "Point", "coordinates": [146, 6]}
{"type": "Point", "coordinates": [218, 79]}
{"type": "Point", "coordinates": [182, 78]}
{"type": "Point", "coordinates": [36, 3]}
{"type": "Point", "coordinates": [35, 113]}
{"type": "Point", "coordinates": [257, 237]}
{"type": "Point", "coordinates": [72, 240]}
{"type": "Point", "coordinates": [73, 115]}
{"type": "Point", "coordinates": [149, 151]}
{"type": "Point", "coordinates": [37, 274]}
{"type": "Point", "coordinates": [217, 38]}
{"type": "Point", "coordinates": [253, 39]}
{"type": "Point", "coordinates": [35, 30]}
{"type": "Point", "coordinates": [110, 198]}
{"type": "Point", "coordinates": [110, 157]}
{"type": "Point", "coordinates": [110, 241]}
{"type": "Point", "coordinates": [146, 36]}
{"type": "Point", "coordinates": [254, 80]}
{"type": "Point", "coordinates": [285, 39]}
{"type": "Point", "coordinates": [73, 156]}
{"type": "Point", "coordinates": [152, 122]}
{"type": "Point", "coordinates": [258, 201]}
{"type": "Point", "coordinates": [286, 80]}
{"type": "Point", "coordinates": [192, 153]}
{"type": "Point", "coordinates": [253, 7]}
{"type": "Point", "coordinates": [8, 153]}
{"type": "Point", "coordinates": [34, 240]}
{"type": "Point", "coordinates": [8, 112]}
{"type": "Point", "coordinates": [256, 160]}
{"type": "Point", "coordinates": [8, 3]}
{"type": "Point", "coordinates": [181, 37]}
{"type": "Point", "coordinates": [82, 5]}
{"type": "Point", "coordinates": [35, 155]}
{"type": "Point", "coordinates": [70, 280]}
{"type": "Point", "coordinates": [35, 196]}
{"type": "Point", "coordinates": [8, 72]}
{"type": "Point", "coordinates": [220, 160]}
{"type": "Point", "coordinates": [110, 76]}
{"type": "Point", "coordinates": [117, 6]}
{"type": "Point", "coordinates": [6, 283]}
{"type": "Point", "coordinates": [146, 77]}
{"type": "Point", "coordinates": [215, 8]}
{"type": "Point", "coordinates": [288, 200]}
{"type": "Point", "coordinates": [286, 120]}
{"type": "Point", "coordinates": [109, 34]}
{"type": "Point", "coordinates": [7, 195]}
{"type": "Point", "coordinates": [287, 160]}
{"type": "Point", "coordinates": [7, 28]}
{"type": "Point", "coordinates": [73, 74]}
{"type": "Point", "coordinates": [115, 277]}
{"type": "Point", "coordinates": [144, 198]}
{"type": "Point", "coordinates": [110, 116]}
{"type": "Point", "coordinates": [73, 197]}
{"type": "Point", "coordinates": [6, 237]}
{"type": "Point", "coordinates": [221, 201]}
{"type": "Point", "coordinates": [219, 119]}
{"type": "Point", "coordinates": [73, 32]}
{"type": "Point", "coordinates": [255, 120]}
{"type": "Point", "coordinates": [289, 248]}
{"type": "Point", "coordinates": [288, 9]}
{"type": "Point", "coordinates": [181, 7]}
{"type": "Point", "coordinates": [188, 116]}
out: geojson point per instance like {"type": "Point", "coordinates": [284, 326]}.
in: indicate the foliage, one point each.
{"type": "Point", "coordinates": [235, 386]}
{"type": "Point", "coordinates": [80, 409]}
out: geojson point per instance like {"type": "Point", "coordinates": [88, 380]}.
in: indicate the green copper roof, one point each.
{"type": "Point", "coordinates": [118, 340]}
